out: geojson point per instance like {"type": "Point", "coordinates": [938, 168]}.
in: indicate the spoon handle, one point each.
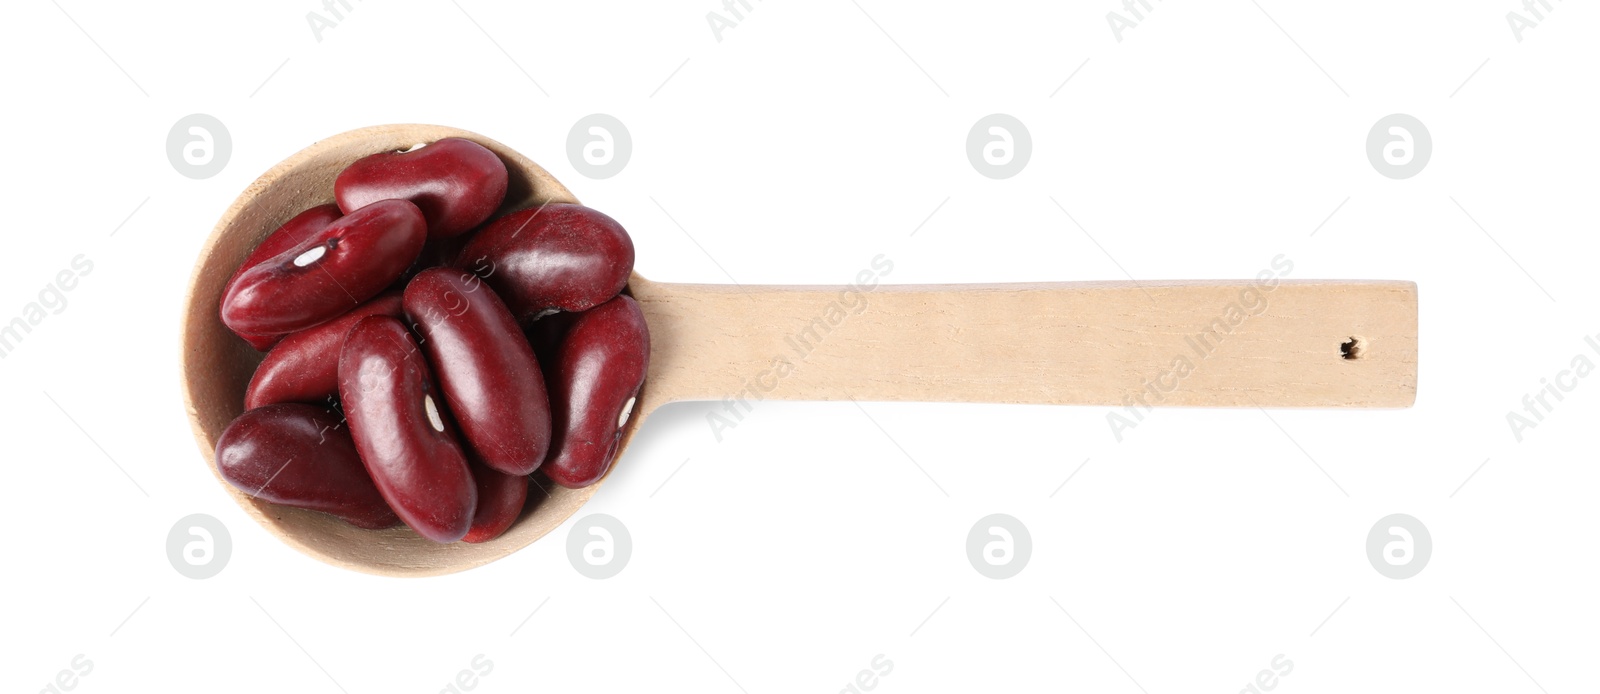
{"type": "Point", "coordinates": [1286, 343]}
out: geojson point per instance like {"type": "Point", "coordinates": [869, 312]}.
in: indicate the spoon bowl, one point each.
{"type": "Point", "coordinates": [216, 364]}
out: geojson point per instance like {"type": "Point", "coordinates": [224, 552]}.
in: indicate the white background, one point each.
{"type": "Point", "coordinates": [789, 555]}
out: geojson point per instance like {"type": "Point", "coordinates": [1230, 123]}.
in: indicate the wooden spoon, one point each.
{"type": "Point", "coordinates": [1124, 344]}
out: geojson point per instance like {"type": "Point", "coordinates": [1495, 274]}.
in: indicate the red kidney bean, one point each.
{"type": "Point", "coordinates": [297, 229]}
{"type": "Point", "coordinates": [486, 369]}
{"type": "Point", "coordinates": [262, 343]}
{"type": "Point", "coordinates": [327, 274]}
{"type": "Point", "coordinates": [599, 369]}
{"type": "Point", "coordinates": [556, 257]}
{"type": "Point", "coordinates": [402, 430]}
{"type": "Point", "coordinates": [500, 500]}
{"type": "Point", "coordinates": [298, 455]}
{"type": "Point", "coordinates": [457, 183]}
{"type": "Point", "coordinates": [304, 367]}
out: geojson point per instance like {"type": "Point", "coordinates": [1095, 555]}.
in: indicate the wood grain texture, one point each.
{"type": "Point", "coordinates": [1227, 344]}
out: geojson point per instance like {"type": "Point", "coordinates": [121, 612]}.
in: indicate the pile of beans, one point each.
{"type": "Point", "coordinates": [422, 360]}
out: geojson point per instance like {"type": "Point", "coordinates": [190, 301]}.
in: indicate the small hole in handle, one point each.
{"type": "Point", "coordinates": [1352, 348]}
